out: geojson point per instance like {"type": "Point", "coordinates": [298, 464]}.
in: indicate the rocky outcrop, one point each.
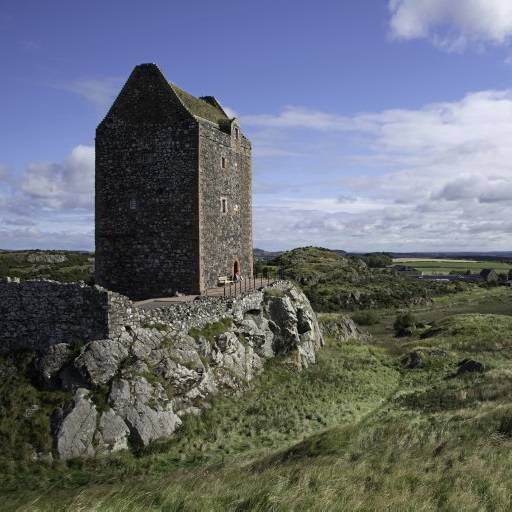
{"type": "Point", "coordinates": [76, 426]}
{"type": "Point", "coordinates": [136, 387]}
{"type": "Point", "coordinates": [340, 327]}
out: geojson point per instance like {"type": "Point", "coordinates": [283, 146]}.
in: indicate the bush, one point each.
{"type": "Point", "coordinates": [405, 324]}
{"type": "Point", "coordinates": [366, 318]}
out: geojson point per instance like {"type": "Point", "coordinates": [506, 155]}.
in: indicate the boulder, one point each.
{"type": "Point", "coordinates": [340, 327]}
{"type": "Point", "coordinates": [413, 360]}
{"type": "Point", "coordinates": [100, 360]}
{"type": "Point", "coordinates": [112, 434]}
{"type": "Point", "coordinates": [145, 408]}
{"type": "Point", "coordinates": [284, 322]}
{"type": "Point", "coordinates": [75, 426]}
{"type": "Point", "coordinates": [469, 366]}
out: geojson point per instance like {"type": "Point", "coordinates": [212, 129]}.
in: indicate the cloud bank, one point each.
{"type": "Point", "coordinates": [435, 178]}
{"type": "Point", "coordinates": [452, 24]}
{"type": "Point", "coordinates": [49, 205]}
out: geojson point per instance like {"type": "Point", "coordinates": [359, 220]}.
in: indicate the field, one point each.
{"type": "Point", "coordinates": [444, 266]}
{"type": "Point", "coordinates": [360, 430]}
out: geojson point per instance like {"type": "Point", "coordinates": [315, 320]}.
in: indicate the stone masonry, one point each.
{"type": "Point", "coordinates": [173, 191]}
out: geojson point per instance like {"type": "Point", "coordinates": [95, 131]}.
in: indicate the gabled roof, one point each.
{"type": "Point", "coordinates": [207, 108]}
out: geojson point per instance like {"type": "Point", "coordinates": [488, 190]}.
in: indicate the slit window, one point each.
{"type": "Point", "coordinates": [223, 205]}
{"type": "Point", "coordinates": [237, 133]}
{"type": "Point", "coordinates": [223, 162]}
{"type": "Point", "coordinates": [133, 204]}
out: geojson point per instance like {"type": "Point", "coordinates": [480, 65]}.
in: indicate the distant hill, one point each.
{"type": "Point", "coordinates": [334, 281]}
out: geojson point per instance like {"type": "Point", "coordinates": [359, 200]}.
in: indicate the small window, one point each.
{"type": "Point", "coordinates": [237, 133]}
{"type": "Point", "coordinates": [133, 204]}
{"type": "Point", "coordinates": [223, 162]}
{"type": "Point", "coordinates": [223, 205]}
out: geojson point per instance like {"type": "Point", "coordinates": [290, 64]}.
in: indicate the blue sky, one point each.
{"type": "Point", "coordinates": [376, 124]}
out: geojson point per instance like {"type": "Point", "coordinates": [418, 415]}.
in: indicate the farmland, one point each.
{"type": "Point", "coordinates": [444, 266]}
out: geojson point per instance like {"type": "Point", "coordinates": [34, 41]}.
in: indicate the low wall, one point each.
{"type": "Point", "coordinates": [36, 314]}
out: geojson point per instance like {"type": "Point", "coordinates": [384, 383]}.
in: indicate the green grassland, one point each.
{"type": "Point", "coordinates": [358, 431]}
{"type": "Point", "coordinates": [78, 266]}
{"type": "Point", "coordinates": [443, 266]}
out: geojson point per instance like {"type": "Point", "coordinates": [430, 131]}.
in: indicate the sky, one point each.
{"type": "Point", "coordinates": [377, 125]}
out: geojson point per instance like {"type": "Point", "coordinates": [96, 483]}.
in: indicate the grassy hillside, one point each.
{"type": "Point", "coordinates": [361, 430]}
{"type": "Point", "coordinates": [333, 282]}
{"type": "Point", "coordinates": [65, 266]}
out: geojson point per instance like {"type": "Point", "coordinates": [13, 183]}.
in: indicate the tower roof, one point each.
{"type": "Point", "coordinates": [207, 108]}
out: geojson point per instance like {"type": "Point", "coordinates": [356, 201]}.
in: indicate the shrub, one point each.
{"type": "Point", "coordinates": [405, 324]}
{"type": "Point", "coordinates": [366, 317]}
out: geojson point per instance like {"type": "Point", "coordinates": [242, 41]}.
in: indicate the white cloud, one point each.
{"type": "Point", "coordinates": [69, 184]}
{"type": "Point", "coordinates": [99, 92]}
{"type": "Point", "coordinates": [452, 24]}
{"type": "Point", "coordinates": [49, 204]}
{"type": "Point", "coordinates": [439, 177]}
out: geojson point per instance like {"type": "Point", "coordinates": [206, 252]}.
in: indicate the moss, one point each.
{"type": "Point", "coordinates": [273, 292]}
{"type": "Point", "coordinates": [212, 330]}
{"type": "Point", "coordinates": [156, 325]}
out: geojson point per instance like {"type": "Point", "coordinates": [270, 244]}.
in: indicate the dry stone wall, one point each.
{"type": "Point", "coordinates": [37, 314]}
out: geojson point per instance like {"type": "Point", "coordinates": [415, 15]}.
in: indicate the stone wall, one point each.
{"type": "Point", "coordinates": [160, 183]}
{"type": "Point", "coordinates": [225, 237]}
{"type": "Point", "coordinates": [146, 192]}
{"type": "Point", "coordinates": [37, 314]}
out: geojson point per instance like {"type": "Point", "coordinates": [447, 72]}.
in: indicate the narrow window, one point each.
{"type": "Point", "coordinates": [133, 204]}
{"type": "Point", "coordinates": [236, 133]}
{"type": "Point", "coordinates": [223, 205]}
{"type": "Point", "coordinates": [223, 162]}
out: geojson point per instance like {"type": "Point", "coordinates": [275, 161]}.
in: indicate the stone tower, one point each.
{"type": "Point", "coordinates": [173, 191]}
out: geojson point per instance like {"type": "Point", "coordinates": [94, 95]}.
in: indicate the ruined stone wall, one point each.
{"type": "Point", "coordinates": [225, 237]}
{"type": "Point", "coordinates": [37, 314]}
{"type": "Point", "coordinates": [146, 192]}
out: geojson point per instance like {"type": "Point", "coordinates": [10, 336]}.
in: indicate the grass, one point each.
{"type": "Point", "coordinates": [357, 431]}
{"type": "Point", "coordinates": [212, 330]}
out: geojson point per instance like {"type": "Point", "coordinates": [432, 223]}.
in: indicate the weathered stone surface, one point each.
{"type": "Point", "coordinates": [340, 327]}
{"type": "Point", "coordinates": [112, 434]}
{"type": "Point", "coordinates": [76, 425]}
{"type": "Point", "coordinates": [145, 408]}
{"type": "Point", "coordinates": [39, 313]}
{"type": "Point", "coordinates": [148, 237]}
{"type": "Point", "coordinates": [284, 318]}
{"type": "Point", "coordinates": [100, 360]}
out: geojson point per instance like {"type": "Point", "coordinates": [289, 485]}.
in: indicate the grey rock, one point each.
{"type": "Point", "coordinates": [112, 434]}
{"type": "Point", "coordinates": [76, 425]}
{"type": "Point", "coordinates": [145, 408]}
{"type": "Point", "coordinates": [100, 360]}
{"type": "Point", "coordinates": [413, 360]}
{"type": "Point", "coordinates": [470, 366]}
{"type": "Point", "coordinates": [341, 328]}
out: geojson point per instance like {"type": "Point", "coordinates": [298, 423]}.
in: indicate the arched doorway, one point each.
{"type": "Point", "coordinates": [236, 268]}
